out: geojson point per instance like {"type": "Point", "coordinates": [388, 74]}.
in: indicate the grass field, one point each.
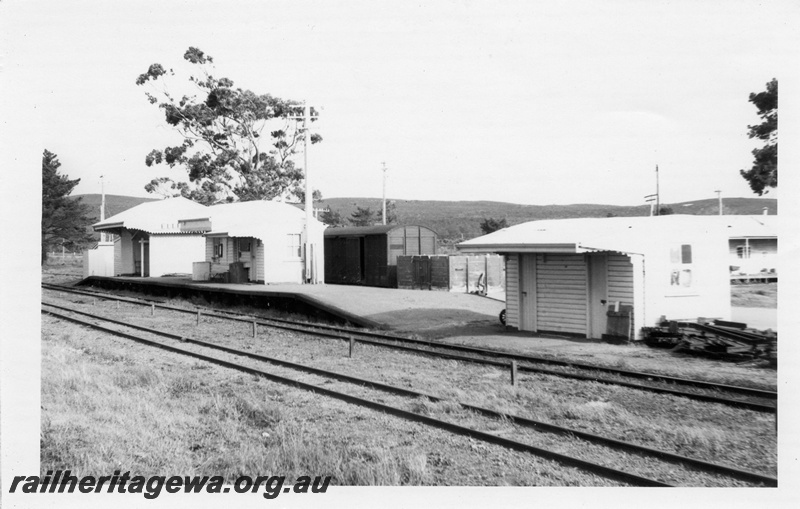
{"type": "Point", "coordinates": [108, 403]}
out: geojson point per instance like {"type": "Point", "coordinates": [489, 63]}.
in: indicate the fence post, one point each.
{"type": "Point", "coordinates": [352, 345]}
{"type": "Point", "coordinates": [514, 373]}
{"type": "Point", "coordinates": [466, 272]}
{"type": "Point", "coordinates": [152, 309]}
{"type": "Point", "coordinates": [198, 317]}
{"type": "Point", "coordinates": [255, 329]}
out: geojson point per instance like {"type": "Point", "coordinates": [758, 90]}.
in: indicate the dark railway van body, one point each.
{"type": "Point", "coordinates": [367, 255]}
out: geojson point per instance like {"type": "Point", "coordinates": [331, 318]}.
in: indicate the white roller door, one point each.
{"type": "Point", "coordinates": [561, 293]}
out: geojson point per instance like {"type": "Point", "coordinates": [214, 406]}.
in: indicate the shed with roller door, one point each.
{"type": "Point", "coordinates": [367, 255]}
{"type": "Point", "coordinates": [609, 277]}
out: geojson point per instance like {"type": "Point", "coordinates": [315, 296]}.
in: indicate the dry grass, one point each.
{"type": "Point", "coordinates": [111, 404]}
{"type": "Point", "coordinates": [755, 295]}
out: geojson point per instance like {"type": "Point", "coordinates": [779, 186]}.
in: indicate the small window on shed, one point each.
{"type": "Point", "coordinates": [294, 247]}
{"type": "Point", "coordinates": [681, 266]}
{"type": "Point", "coordinates": [219, 248]}
{"type": "Point", "coordinates": [743, 252]}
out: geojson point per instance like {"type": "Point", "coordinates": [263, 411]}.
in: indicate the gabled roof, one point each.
{"type": "Point", "coordinates": [159, 216]}
{"type": "Point", "coordinates": [252, 218]}
{"type": "Point", "coordinates": [621, 234]}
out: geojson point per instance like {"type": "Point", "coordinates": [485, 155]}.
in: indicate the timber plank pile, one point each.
{"type": "Point", "coordinates": [714, 338]}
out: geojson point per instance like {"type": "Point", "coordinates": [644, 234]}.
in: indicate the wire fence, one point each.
{"type": "Point", "coordinates": [64, 257]}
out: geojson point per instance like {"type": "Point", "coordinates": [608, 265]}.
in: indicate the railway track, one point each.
{"type": "Point", "coordinates": [737, 396]}
{"type": "Point", "coordinates": [539, 426]}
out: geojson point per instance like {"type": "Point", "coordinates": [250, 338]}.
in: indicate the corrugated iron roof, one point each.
{"type": "Point", "coordinates": [253, 218]}
{"type": "Point", "coordinates": [623, 234]}
{"type": "Point", "coordinates": [154, 217]}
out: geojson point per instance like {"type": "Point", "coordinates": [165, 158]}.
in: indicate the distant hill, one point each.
{"type": "Point", "coordinates": [455, 221]}
{"type": "Point", "coordinates": [114, 203]}
{"type": "Point", "coordinates": [460, 220]}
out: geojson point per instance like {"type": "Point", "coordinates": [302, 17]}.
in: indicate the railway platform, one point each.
{"type": "Point", "coordinates": [381, 308]}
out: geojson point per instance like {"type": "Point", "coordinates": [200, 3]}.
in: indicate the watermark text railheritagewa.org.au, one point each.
{"type": "Point", "coordinates": [151, 487]}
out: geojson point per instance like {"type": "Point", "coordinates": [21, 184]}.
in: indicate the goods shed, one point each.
{"type": "Point", "coordinates": [367, 255]}
{"type": "Point", "coordinates": [596, 277]}
{"type": "Point", "coordinates": [148, 240]}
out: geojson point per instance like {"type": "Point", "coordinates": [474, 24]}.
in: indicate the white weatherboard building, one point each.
{"type": "Point", "coordinates": [267, 238]}
{"type": "Point", "coordinates": [753, 245]}
{"type": "Point", "coordinates": [148, 240]}
{"type": "Point", "coordinates": [566, 275]}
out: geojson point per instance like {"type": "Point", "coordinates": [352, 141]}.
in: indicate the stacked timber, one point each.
{"type": "Point", "coordinates": [714, 338]}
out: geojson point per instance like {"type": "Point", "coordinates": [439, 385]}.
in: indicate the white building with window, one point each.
{"type": "Point", "coordinates": [268, 240]}
{"type": "Point", "coordinates": [753, 245]}
{"type": "Point", "coordinates": [596, 277]}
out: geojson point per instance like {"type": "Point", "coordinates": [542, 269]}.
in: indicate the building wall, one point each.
{"type": "Point", "coordinates": [281, 265]}
{"type": "Point", "coordinates": [175, 253]}
{"type": "Point", "coordinates": [123, 254]}
{"type": "Point", "coordinates": [704, 292]}
{"type": "Point", "coordinates": [620, 279]}
{"type": "Point", "coordinates": [99, 261]}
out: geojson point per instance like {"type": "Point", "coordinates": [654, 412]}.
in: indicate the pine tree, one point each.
{"type": "Point", "coordinates": [64, 219]}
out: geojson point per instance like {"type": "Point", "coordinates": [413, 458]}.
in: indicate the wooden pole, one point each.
{"type": "Point", "coordinates": [514, 373]}
{"type": "Point", "coordinates": [255, 329]}
{"type": "Point", "coordinates": [352, 345]}
{"type": "Point", "coordinates": [152, 309]}
{"type": "Point", "coordinates": [198, 317]}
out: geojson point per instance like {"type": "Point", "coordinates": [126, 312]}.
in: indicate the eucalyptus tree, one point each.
{"type": "Point", "coordinates": [237, 144]}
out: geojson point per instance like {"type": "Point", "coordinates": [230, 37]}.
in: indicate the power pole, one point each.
{"type": "Point", "coordinates": [102, 206]}
{"type": "Point", "coordinates": [719, 198]}
{"type": "Point", "coordinates": [308, 253]}
{"type": "Point", "coordinates": [384, 192]}
{"type": "Point", "coordinates": [658, 197]}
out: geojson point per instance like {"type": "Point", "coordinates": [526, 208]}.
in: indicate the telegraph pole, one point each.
{"type": "Point", "coordinates": [719, 198]}
{"type": "Point", "coordinates": [384, 192]}
{"type": "Point", "coordinates": [658, 197]}
{"type": "Point", "coordinates": [308, 253]}
{"type": "Point", "coordinates": [309, 191]}
{"type": "Point", "coordinates": [102, 206]}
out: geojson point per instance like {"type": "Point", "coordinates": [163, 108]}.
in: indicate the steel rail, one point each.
{"type": "Point", "coordinates": [759, 393]}
{"type": "Point", "coordinates": [524, 421]}
{"type": "Point", "coordinates": [405, 414]}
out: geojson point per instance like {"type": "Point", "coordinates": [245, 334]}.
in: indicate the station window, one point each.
{"type": "Point", "coordinates": [219, 249]}
{"type": "Point", "coordinates": [294, 248]}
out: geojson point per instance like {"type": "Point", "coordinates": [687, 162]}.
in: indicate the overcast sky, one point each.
{"type": "Point", "coordinates": [516, 101]}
